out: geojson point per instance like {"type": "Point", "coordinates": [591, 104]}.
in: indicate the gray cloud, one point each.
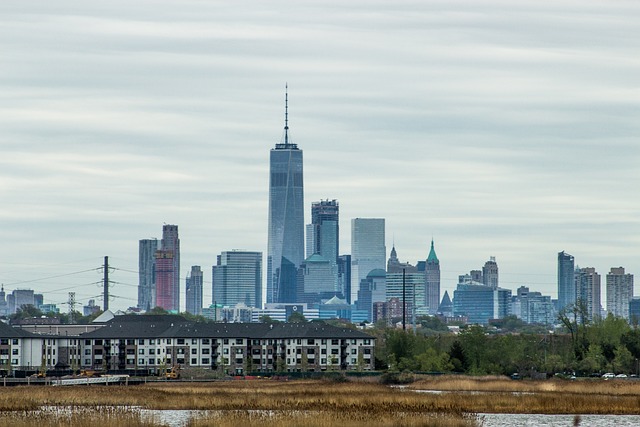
{"type": "Point", "coordinates": [497, 128]}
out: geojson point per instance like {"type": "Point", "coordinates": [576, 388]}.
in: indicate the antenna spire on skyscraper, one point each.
{"type": "Point", "coordinates": [286, 113]}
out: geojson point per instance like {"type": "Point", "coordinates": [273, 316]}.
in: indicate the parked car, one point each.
{"type": "Point", "coordinates": [621, 376]}
{"type": "Point", "coordinates": [609, 375]}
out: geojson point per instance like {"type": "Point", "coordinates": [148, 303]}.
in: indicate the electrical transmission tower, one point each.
{"type": "Point", "coordinates": [72, 306]}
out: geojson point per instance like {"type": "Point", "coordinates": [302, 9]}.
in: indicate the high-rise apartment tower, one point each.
{"type": "Point", "coordinates": [566, 281]}
{"type": "Point", "coordinates": [171, 242]}
{"type": "Point", "coordinates": [619, 292]}
{"type": "Point", "coordinates": [193, 293]}
{"type": "Point", "coordinates": [147, 273]}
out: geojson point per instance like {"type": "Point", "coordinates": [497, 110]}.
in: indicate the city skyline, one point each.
{"type": "Point", "coordinates": [498, 130]}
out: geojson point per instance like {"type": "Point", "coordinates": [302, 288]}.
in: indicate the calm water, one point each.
{"type": "Point", "coordinates": [179, 418]}
{"type": "Point", "coordinates": [509, 420]}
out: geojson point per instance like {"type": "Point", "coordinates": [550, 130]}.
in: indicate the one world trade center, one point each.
{"type": "Point", "coordinates": [285, 251]}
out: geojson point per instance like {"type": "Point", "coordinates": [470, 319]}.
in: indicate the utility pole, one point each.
{"type": "Point", "coordinates": [105, 284]}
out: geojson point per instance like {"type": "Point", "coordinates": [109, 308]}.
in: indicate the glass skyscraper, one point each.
{"type": "Point", "coordinates": [237, 279]}
{"type": "Point", "coordinates": [285, 249]}
{"type": "Point", "coordinates": [147, 273]}
{"type": "Point", "coordinates": [566, 280]}
{"type": "Point", "coordinates": [193, 295]}
{"type": "Point", "coordinates": [368, 250]}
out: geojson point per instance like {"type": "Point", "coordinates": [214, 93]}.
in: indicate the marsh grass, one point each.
{"type": "Point", "coordinates": [316, 403]}
{"type": "Point", "coordinates": [329, 419]}
{"type": "Point", "coordinates": [499, 395]}
{"type": "Point", "coordinates": [77, 417]}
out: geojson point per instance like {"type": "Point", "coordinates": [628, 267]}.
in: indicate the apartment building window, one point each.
{"type": "Point", "coordinates": [131, 342]}
{"type": "Point", "coordinates": [14, 351]}
{"type": "Point", "coordinates": [205, 351]}
{"type": "Point", "coordinates": [205, 341]}
{"type": "Point", "coordinates": [140, 342]}
{"type": "Point", "coordinates": [140, 361]}
{"type": "Point", "coordinates": [194, 351]}
{"type": "Point", "coordinates": [194, 341]}
{"type": "Point", "coordinates": [239, 341]}
{"type": "Point", "coordinates": [15, 342]}
{"type": "Point", "coordinates": [205, 361]}
{"type": "Point", "coordinates": [180, 341]}
{"type": "Point", "coordinates": [194, 361]}
{"type": "Point", "coordinates": [141, 351]}
{"type": "Point", "coordinates": [152, 351]}
{"type": "Point", "coordinates": [367, 341]}
{"type": "Point", "coordinates": [335, 342]}
{"type": "Point", "coordinates": [311, 341]}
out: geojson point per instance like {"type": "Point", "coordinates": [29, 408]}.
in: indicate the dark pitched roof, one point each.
{"type": "Point", "coordinates": [168, 326]}
{"type": "Point", "coordinates": [7, 331]}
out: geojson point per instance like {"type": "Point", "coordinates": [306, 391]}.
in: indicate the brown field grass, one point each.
{"type": "Point", "coordinates": [315, 403]}
{"type": "Point", "coordinates": [500, 395]}
{"type": "Point", "coordinates": [78, 417]}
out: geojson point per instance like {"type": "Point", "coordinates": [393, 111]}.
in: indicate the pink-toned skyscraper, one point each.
{"type": "Point", "coordinates": [164, 279]}
{"type": "Point", "coordinates": [168, 270]}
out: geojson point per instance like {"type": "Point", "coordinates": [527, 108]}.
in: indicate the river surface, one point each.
{"type": "Point", "coordinates": [179, 418]}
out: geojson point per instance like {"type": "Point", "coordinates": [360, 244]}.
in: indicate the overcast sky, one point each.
{"type": "Point", "coordinates": [500, 128]}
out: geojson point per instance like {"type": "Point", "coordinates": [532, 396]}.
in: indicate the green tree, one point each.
{"type": "Point", "coordinates": [26, 311]}
{"type": "Point", "coordinates": [624, 361]}
{"type": "Point", "coordinates": [267, 319]}
{"type": "Point", "coordinates": [431, 361]}
{"type": "Point", "coordinates": [474, 344]}
{"type": "Point", "coordinates": [157, 310]}
{"type": "Point", "coordinates": [296, 317]}
{"type": "Point", "coordinates": [457, 357]}
{"type": "Point", "coordinates": [575, 319]}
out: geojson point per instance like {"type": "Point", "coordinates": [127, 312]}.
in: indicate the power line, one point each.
{"type": "Point", "coordinates": [51, 277]}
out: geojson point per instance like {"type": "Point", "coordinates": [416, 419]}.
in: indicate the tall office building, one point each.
{"type": "Point", "coordinates": [147, 273]}
{"type": "Point", "coordinates": [481, 303]}
{"type": "Point", "coordinates": [323, 232]}
{"type": "Point", "coordinates": [588, 291]}
{"type": "Point", "coordinates": [237, 279]}
{"type": "Point", "coordinates": [344, 277]}
{"type": "Point", "coordinates": [432, 282]}
{"type": "Point", "coordinates": [619, 292]}
{"type": "Point", "coordinates": [285, 250]}
{"type": "Point", "coordinates": [566, 281]}
{"type": "Point", "coordinates": [165, 274]}
{"type": "Point", "coordinates": [171, 243]}
{"type": "Point", "coordinates": [490, 273]}
{"type": "Point", "coordinates": [193, 294]}
{"type": "Point", "coordinates": [404, 282]}
{"type": "Point", "coordinates": [368, 250]}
